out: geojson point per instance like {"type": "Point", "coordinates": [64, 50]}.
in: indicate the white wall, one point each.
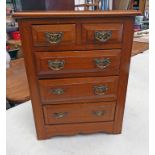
{"type": "Point", "coordinates": [79, 1]}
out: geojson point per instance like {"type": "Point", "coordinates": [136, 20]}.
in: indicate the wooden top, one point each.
{"type": "Point", "coordinates": [17, 90]}
{"type": "Point", "coordinates": [56, 14]}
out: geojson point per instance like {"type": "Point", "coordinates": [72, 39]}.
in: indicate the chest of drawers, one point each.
{"type": "Point", "coordinates": [77, 65]}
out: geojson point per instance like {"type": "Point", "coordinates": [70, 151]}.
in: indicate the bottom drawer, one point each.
{"type": "Point", "coordinates": [78, 113]}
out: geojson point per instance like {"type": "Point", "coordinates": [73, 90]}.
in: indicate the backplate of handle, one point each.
{"type": "Point", "coordinates": [54, 37]}
{"type": "Point", "coordinates": [56, 65]}
{"type": "Point", "coordinates": [100, 90]}
{"type": "Point", "coordinates": [103, 36]}
{"type": "Point", "coordinates": [99, 112]}
{"type": "Point", "coordinates": [102, 63]}
{"type": "Point", "coordinates": [57, 91]}
{"type": "Point", "coordinates": [59, 114]}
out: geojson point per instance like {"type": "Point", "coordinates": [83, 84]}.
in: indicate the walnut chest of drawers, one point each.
{"type": "Point", "coordinates": [77, 65]}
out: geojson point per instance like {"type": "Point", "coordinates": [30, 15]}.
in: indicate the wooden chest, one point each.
{"type": "Point", "coordinates": [77, 66]}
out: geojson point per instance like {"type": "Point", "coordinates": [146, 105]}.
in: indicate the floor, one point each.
{"type": "Point", "coordinates": [21, 138]}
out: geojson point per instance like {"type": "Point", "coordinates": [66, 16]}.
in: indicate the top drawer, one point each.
{"type": "Point", "coordinates": [105, 35]}
{"type": "Point", "coordinates": [53, 35]}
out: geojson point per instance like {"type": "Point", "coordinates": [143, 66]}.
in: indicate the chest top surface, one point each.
{"type": "Point", "coordinates": [56, 14]}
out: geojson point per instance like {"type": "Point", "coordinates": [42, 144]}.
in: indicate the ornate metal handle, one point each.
{"type": "Point", "coordinates": [54, 37]}
{"type": "Point", "coordinates": [57, 91]}
{"type": "Point", "coordinates": [56, 65]}
{"type": "Point", "coordinates": [60, 114]}
{"type": "Point", "coordinates": [103, 36]}
{"type": "Point", "coordinates": [100, 90]}
{"type": "Point", "coordinates": [102, 63]}
{"type": "Point", "coordinates": [99, 113]}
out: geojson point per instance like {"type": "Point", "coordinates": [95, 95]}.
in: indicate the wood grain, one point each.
{"type": "Point", "coordinates": [25, 30]}
{"type": "Point", "coordinates": [78, 90]}
{"type": "Point", "coordinates": [88, 31]}
{"type": "Point", "coordinates": [77, 63]}
{"type": "Point", "coordinates": [79, 113]}
{"type": "Point", "coordinates": [124, 72]}
{"type": "Point", "coordinates": [68, 38]}
{"type": "Point", "coordinates": [76, 14]}
{"type": "Point", "coordinates": [79, 128]}
{"type": "Point", "coordinates": [139, 47]}
{"type": "Point", "coordinates": [17, 89]}
{"type": "Point", "coordinates": [79, 45]}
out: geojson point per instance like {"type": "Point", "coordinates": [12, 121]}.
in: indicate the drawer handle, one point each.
{"type": "Point", "coordinates": [54, 37]}
{"type": "Point", "coordinates": [60, 114]}
{"type": "Point", "coordinates": [103, 36]}
{"type": "Point", "coordinates": [99, 113]}
{"type": "Point", "coordinates": [56, 65]}
{"type": "Point", "coordinates": [100, 90]}
{"type": "Point", "coordinates": [57, 91]}
{"type": "Point", "coordinates": [102, 63]}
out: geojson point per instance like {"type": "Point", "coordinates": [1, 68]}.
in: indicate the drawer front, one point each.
{"type": "Point", "coordinates": [78, 113]}
{"type": "Point", "coordinates": [77, 64]}
{"type": "Point", "coordinates": [78, 89]}
{"type": "Point", "coordinates": [106, 35]}
{"type": "Point", "coordinates": [54, 35]}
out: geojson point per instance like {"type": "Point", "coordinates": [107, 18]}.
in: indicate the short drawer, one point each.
{"type": "Point", "coordinates": [104, 35]}
{"type": "Point", "coordinates": [78, 113]}
{"type": "Point", "coordinates": [54, 35]}
{"type": "Point", "coordinates": [78, 89]}
{"type": "Point", "coordinates": [77, 63]}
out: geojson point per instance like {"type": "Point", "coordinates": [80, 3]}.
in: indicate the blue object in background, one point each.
{"type": "Point", "coordinates": [104, 4]}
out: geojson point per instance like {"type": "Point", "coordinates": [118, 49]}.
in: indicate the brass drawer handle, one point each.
{"type": "Point", "coordinates": [103, 36]}
{"type": "Point", "coordinates": [57, 91]}
{"type": "Point", "coordinates": [54, 37]}
{"type": "Point", "coordinates": [60, 114]}
{"type": "Point", "coordinates": [56, 65]}
{"type": "Point", "coordinates": [100, 90]}
{"type": "Point", "coordinates": [99, 112]}
{"type": "Point", "coordinates": [102, 63]}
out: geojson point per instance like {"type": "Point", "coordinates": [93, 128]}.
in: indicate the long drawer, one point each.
{"type": "Point", "coordinates": [72, 90]}
{"type": "Point", "coordinates": [77, 63]}
{"type": "Point", "coordinates": [78, 113]}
